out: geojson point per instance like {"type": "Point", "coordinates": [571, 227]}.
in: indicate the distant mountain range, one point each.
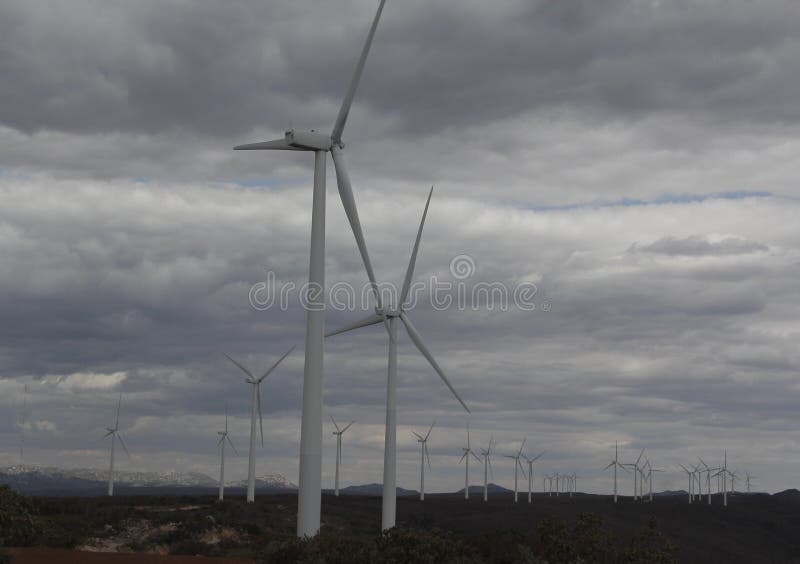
{"type": "Point", "coordinates": [491, 488]}
{"type": "Point", "coordinates": [52, 480]}
{"type": "Point", "coordinates": [372, 490]}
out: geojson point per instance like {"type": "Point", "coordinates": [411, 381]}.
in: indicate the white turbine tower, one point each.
{"type": "Point", "coordinates": [338, 434]}
{"type": "Point", "coordinates": [390, 316]}
{"type": "Point", "coordinates": [690, 474]}
{"type": "Point", "coordinates": [637, 487]}
{"type": "Point", "coordinates": [22, 426]}
{"type": "Point", "coordinates": [310, 482]}
{"type": "Point", "coordinates": [748, 479]}
{"type": "Point", "coordinates": [530, 462]}
{"type": "Point", "coordinates": [650, 471]}
{"type": "Point", "coordinates": [465, 458]}
{"type": "Point", "coordinates": [255, 413]}
{"type": "Point", "coordinates": [616, 464]}
{"type": "Point", "coordinates": [487, 468]}
{"type": "Point", "coordinates": [223, 438]}
{"type": "Point", "coordinates": [517, 467]}
{"type": "Point", "coordinates": [423, 441]}
{"type": "Point", "coordinates": [114, 434]}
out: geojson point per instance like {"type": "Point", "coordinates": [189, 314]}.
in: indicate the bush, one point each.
{"type": "Point", "coordinates": [18, 527]}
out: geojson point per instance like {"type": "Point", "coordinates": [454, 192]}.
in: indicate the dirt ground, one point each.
{"type": "Point", "coordinates": [63, 556]}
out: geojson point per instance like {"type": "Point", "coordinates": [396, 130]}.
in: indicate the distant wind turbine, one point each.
{"type": "Point", "coordinates": [223, 438]}
{"type": "Point", "coordinates": [636, 476]}
{"type": "Point", "coordinates": [487, 468]}
{"type": "Point", "coordinates": [530, 462]}
{"type": "Point", "coordinates": [114, 434]}
{"type": "Point", "coordinates": [390, 316]}
{"type": "Point", "coordinates": [517, 467]}
{"type": "Point", "coordinates": [616, 464]}
{"type": "Point", "coordinates": [690, 474]}
{"type": "Point", "coordinates": [423, 441]}
{"type": "Point", "coordinates": [255, 413]}
{"type": "Point", "coordinates": [708, 478]}
{"type": "Point", "coordinates": [465, 458]}
{"type": "Point", "coordinates": [338, 434]}
{"type": "Point", "coordinates": [22, 426]}
{"type": "Point", "coordinates": [310, 486]}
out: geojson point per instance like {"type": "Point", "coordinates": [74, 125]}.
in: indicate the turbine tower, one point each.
{"type": "Point", "coordinates": [114, 434]}
{"type": "Point", "coordinates": [690, 474]}
{"type": "Point", "coordinates": [22, 426]}
{"type": "Point", "coordinates": [517, 466]}
{"type": "Point", "coordinates": [223, 438]}
{"type": "Point", "coordinates": [338, 434]}
{"type": "Point", "coordinates": [423, 441]}
{"type": "Point", "coordinates": [616, 464]}
{"type": "Point", "coordinates": [255, 412]}
{"type": "Point", "coordinates": [708, 479]}
{"type": "Point", "coordinates": [487, 468]}
{"type": "Point", "coordinates": [310, 481]}
{"type": "Point", "coordinates": [636, 474]}
{"type": "Point", "coordinates": [465, 458]}
{"type": "Point", "coordinates": [389, 316]}
{"type": "Point", "coordinates": [530, 462]}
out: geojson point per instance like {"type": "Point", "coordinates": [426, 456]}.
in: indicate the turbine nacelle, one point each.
{"type": "Point", "coordinates": [309, 140]}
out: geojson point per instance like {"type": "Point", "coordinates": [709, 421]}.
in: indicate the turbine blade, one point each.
{"type": "Point", "coordinates": [522, 446]}
{"type": "Point", "coordinates": [277, 362]}
{"type": "Point", "coordinates": [349, 204]}
{"type": "Point", "coordinates": [417, 339]}
{"type": "Point", "coordinates": [609, 466]}
{"type": "Point", "coordinates": [413, 261]}
{"type": "Point", "coordinates": [537, 457]}
{"type": "Point", "coordinates": [522, 469]}
{"type": "Point", "coordinates": [373, 319]}
{"type": "Point", "coordinates": [640, 457]}
{"type": "Point", "coordinates": [341, 119]}
{"type": "Point", "coordinates": [428, 434]}
{"type": "Point", "coordinates": [242, 368]}
{"type": "Point", "coordinates": [260, 418]}
{"type": "Point", "coordinates": [119, 404]}
{"type": "Point", "coordinates": [221, 440]}
{"type": "Point", "coordinates": [108, 434]}
{"type": "Point", "coordinates": [347, 427]}
{"type": "Point", "coordinates": [491, 472]}
{"type": "Point", "coordinates": [475, 456]}
{"type": "Point", "coordinates": [230, 442]}
{"type": "Point", "coordinates": [124, 446]}
{"type": "Point", "coordinates": [334, 423]}
{"type": "Point", "coordinates": [277, 145]}
{"type": "Point", "coordinates": [428, 456]}
{"type": "Point", "coordinates": [420, 437]}
{"type": "Point", "coordinates": [463, 456]}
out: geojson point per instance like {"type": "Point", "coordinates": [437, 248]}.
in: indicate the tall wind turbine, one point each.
{"type": "Point", "coordinates": [223, 438]}
{"type": "Point", "coordinates": [487, 468]}
{"type": "Point", "coordinates": [338, 434]}
{"type": "Point", "coordinates": [22, 426]}
{"type": "Point", "coordinates": [255, 412]}
{"type": "Point", "coordinates": [517, 466]}
{"type": "Point", "coordinates": [636, 474]}
{"type": "Point", "coordinates": [389, 316]}
{"type": "Point", "coordinates": [530, 462]}
{"type": "Point", "coordinates": [465, 458]}
{"type": "Point", "coordinates": [616, 464]}
{"type": "Point", "coordinates": [423, 441]}
{"type": "Point", "coordinates": [114, 434]}
{"type": "Point", "coordinates": [310, 483]}
{"type": "Point", "coordinates": [691, 480]}
{"type": "Point", "coordinates": [708, 479]}
{"type": "Point", "coordinates": [748, 479]}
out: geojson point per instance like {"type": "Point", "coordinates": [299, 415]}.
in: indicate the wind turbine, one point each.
{"type": "Point", "coordinates": [530, 462]}
{"type": "Point", "coordinates": [423, 456]}
{"type": "Point", "coordinates": [223, 438]}
{"type": "Point", "coordinates": [310, 482]}
{"type": "Point", "coordinates": [691, 480]}
{"type": "Point", "coordinates": [616, 464]}
{"type": "Point", "coordinates": [747, 480]}
{"type": "Point", "coordinates": [487, 468]}
{"type": "Point", "coordinates": [22, 426]}
{"type": "Point", "coordinates": [114, 434]}
{"type": "Point", "coordinates": [517, 466]}
{"type": "Point", "coordinates": [723, 473]}
{"type": "Point", "coordinates": [465, 457]}
{"type": "Point", "coordinates": [338, 434]}
{"type": "Point", "coordinates": [650, 471]}
{"type": "Point", "coordinates": [708, 479]}
{"type": "Point", "coordinates": [389, 316]}
{"type": "Point", "coordinates": [636, 475]}
{"type": "Point", "coordinates": [255, 412]}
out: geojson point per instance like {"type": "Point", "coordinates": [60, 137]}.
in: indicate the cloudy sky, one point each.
{"type": "Point", "coordinates": [635, 161]}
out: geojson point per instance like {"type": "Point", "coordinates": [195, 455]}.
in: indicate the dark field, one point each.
{"type": "Point", "coordinates": [753, 528]}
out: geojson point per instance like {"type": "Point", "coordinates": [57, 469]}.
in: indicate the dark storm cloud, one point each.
{"type": "Point", "coordinates": [219, 69]}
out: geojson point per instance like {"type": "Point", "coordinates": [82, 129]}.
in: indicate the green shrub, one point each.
{"type": "Point", "coordinates": [18, 527]}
